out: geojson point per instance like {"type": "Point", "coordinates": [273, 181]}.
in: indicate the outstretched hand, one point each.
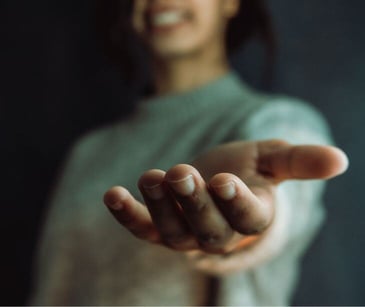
{"type": "Point", "coordinates": [225, 199]}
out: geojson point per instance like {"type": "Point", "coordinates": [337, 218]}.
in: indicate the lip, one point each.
{"type": "Point", "coordinates": [154, 9]}
{"type": "Point", "coordinates": [155, 28]}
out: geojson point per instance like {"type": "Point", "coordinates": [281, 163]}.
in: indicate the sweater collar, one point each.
{"type": "Point", "coordinates": [224, 88]}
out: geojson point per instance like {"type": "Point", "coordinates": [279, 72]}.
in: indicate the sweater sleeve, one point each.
{"type": "Point", "coordinates": [299, 210]}
{"type": "Point", "coordinates": [53, 269]}
{"type": "Point", "coordinates": [58, 255]}
{"type": "Point", "coordinates": [266, 273]}
{"type": "Point", "coordinates": [297, 123]}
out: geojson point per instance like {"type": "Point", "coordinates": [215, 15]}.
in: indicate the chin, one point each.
{"type": "Point", "coordinates": [171, 53]}
{"type": "Point", "coordinates": [169, 50]}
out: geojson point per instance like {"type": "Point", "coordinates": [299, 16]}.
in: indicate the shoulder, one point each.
{"type": "Point", "coordinates": [289, 118]}
{"type": "Point", "coordinates": [91, 143]}
{"type": "Point", "coordinates": [259, 105]}
{"type": "Point", "coordinates": [82, 158]}
{"type": "Point", "coordinates": [282, 107]}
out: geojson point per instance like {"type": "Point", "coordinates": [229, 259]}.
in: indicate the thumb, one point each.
{"type": "Point", "coordinates": [282, 161]}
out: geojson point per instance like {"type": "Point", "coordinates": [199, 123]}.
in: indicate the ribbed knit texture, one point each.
{"type": "Point", "coordinates": [86, 258]}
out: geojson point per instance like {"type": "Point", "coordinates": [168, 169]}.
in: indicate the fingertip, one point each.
{"type": "Point", "coordinates": [150, 184]}
{"type": "Point", "coordinates": [343, 160]}
{"type": "Point", "coordinates": [115, 197]}
{"type": "Point", "coordinates": [226, 191]}
{"type": "Point", "coordinates": [180, 171]}
{"type": "Point", "coordinates": [183, 179]}
{"type": "Point", "coordinates": [334, 162]}
{"type": "Point", "coordinates": [317, 162]}
{"type": "Point", "coordinates": [225, 185]}
{"type": "Point", "coordinates": [151, 178]}
{"type": "Point", "coordinates": [248, 209]}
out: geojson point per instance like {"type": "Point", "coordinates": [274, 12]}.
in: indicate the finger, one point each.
{"type": "Point", "coordinates": [165, 212]}
{"type": "Point", "coordinates": [211, 229]}
{"type": "Point", "coordinates": [248, 210]}
{"type": "Point", "coordinates": [131, 214]}
{"type": "Point", "coordinates": [282, 161]}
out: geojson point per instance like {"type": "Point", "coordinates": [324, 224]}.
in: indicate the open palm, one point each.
{"type": "Point", "coordinates": [224, 200]}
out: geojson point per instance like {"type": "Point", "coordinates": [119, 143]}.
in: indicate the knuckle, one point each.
{"type": "Point", "coordinates": [194, 206]}
{"type": "Point", "coordinates": [177, 241]}
{"type": "Point", "coordinates": [247, 227]}
{"type": "Point", "coordinates": [209, 238]}
{"type": "Point", "coordinates": [215, 240]}
{"type": "Point", "coordinates": [243, 220]}
{"type": "Point", "coordinates": [248, 230]}
{"type": "Point", "coordinates": [127, 221]}
{"type": "Point", "coordinates": [173, 239]}
{"type": "Point", "coordinates": [210, 241]}
{"type": "Point", "coordinates": [249, 223]}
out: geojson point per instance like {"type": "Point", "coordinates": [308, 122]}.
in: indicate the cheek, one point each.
{"type": "Point", "coordinates": [209, 24]}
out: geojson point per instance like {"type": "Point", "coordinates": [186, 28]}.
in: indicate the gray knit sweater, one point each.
{"type": "Point", "coordinates": [87, 258]}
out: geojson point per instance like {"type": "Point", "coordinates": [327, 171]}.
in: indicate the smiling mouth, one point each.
{"type": "Point", "coordinates": [166, 20]}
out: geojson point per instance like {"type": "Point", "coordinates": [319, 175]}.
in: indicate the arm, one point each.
{"type": "Point", "coordinates": [199, 216]}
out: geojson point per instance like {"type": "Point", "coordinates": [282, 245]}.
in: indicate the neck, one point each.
{"type": "Point", "coordinates": [179, 74]}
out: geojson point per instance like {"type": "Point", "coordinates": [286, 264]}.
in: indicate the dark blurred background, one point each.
{"type": "Point", "coordinates": [56, 84]}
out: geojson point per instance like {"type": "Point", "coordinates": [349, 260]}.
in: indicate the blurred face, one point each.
{"type": "Point", "coordinates": [173, 28]}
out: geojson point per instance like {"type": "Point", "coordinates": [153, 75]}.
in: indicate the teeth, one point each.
{"type": "Point", "coordinates": [166, 18]}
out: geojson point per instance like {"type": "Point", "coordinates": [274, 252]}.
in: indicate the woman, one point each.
{"type": "Point", "coordinates": [221, 229]}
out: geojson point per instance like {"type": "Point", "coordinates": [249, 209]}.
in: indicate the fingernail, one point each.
{"type": "Point", "coordinates": [115, 202]}
{"type": "Point", "coordinates": [154, 192]}
{"type": "Point", "coordinates": [225, 191]}
{"type": "Point", "coordinates": [345, 160]}
{"type": "Point", "coordinates": [185, 186]}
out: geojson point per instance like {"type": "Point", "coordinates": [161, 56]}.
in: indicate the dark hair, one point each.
{"type": "Point", "coordinates": [114, 28]}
